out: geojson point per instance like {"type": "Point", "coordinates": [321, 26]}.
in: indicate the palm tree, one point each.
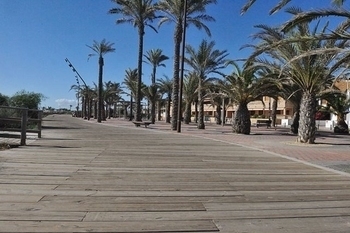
{"type": "Point", "coordinates": [78, 91]}
{"type": "Point", "coordinates": [130, 81]}
{"type": "Point", "coordinates": [100, 49]}
{"type": "Point", "coordinates": [311, 72]}
{"type": "Point", "coordinates": [153, 96]}
{"type": "Point", "coordinates": [218, 100]}
{"type": "Point", "coordinates": [83, 91]}
{"type": "Point", "coordinates": [155, 58]}
{"type": "Point", "coordinates": [190, 94]}
{"type": "Point", "coordinates": [112, 95]}
{"type": "Point", "coordinates": [195, 15]}
{"type": "Point", "coordinates": [243, 87]}
{"type": "Point", "coordinates": [281, 4]}
{"type": "Point", "coordinates": [140, 13]}
{"type": "Point", "coordinates": [166, 87]}
{"type": "Point", "coordinates": [338, 103]}
{"type": "Point", "coordinates": [205, 61]}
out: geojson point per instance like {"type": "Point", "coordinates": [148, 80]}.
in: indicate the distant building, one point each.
{"type": "Point", "coordinates": [258, 110]}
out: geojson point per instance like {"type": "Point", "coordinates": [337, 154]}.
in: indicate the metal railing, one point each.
{"type": "Point", "coordinates": [21, 120]}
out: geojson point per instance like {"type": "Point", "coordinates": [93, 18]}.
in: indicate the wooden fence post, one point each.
{"type": "Point", "coordinates": [24, 126]}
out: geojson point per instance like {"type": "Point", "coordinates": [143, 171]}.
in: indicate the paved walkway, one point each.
{"type": "Point", "coordinates": [113, 177]}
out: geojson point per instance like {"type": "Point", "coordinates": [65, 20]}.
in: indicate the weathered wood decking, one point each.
{"type": "Point", "coordinates": [88, 177]}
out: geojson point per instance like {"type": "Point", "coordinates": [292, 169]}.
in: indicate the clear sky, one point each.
{"type": "Point", "coordinates": [36, 37]}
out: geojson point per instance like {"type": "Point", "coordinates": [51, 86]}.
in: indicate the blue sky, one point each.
{"type": "Point", "coordinates": [36, 37]}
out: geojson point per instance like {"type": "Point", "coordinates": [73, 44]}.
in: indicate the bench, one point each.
{"type": "Point", "coordinates": [139, 123]}
{"type": "Point", "coordinates": [266, 123]}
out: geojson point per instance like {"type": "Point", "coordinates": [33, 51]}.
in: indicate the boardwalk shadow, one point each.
{"type": "Point", "coordinates": [46, 146]}
{"type": "Point", "coordinates": [59, 127]}
{"type": "Point", "coordinates": [8, 135]}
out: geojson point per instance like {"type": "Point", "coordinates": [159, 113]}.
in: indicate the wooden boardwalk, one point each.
{"type": "Point", "coordinates": [89, 177]}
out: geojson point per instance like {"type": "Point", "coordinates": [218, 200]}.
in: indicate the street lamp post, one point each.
{"type": "Point", "coordinates": [86, 87]}
{"type": "Point", "coordinates": [179, 111]}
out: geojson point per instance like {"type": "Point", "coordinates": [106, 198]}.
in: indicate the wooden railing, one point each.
{"type": "Point", "coordinates": [15, 119]}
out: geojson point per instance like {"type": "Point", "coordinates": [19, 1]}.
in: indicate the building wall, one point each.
{"type": "Point", "coordinates": [257, 109]}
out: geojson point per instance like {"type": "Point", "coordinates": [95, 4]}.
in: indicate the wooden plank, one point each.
{"type": "Point", "coordinates": [219, 215]}
{"type": "Point", "coordinates": [125, 227]}
{"type": "Point", "coordinates": [143, 199]}
{"type": "Point", "coordinates": [20, 198]}
{"type": "Point", "coordinates": [300, 225]}
{"type": "Point", "coordinates": [39, 215]}
{"type": "Point", "coordinates": [116, 207]}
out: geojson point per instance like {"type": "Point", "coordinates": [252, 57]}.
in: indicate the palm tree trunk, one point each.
{"type": "Point", "coordinates": [85, 106]}
{"type": "Point", "coordinates": [218, 115]}
{"type": "Point", "coordinates": [89, 108]}
{"type": "Point", "coordinates": [196, 111]}
{"type": "Point", "coordinates": [139, 75]}
{"type": "Point", "coordinates": [274, 112]}
{"type": "Point", "coordinates": [125, 111]}
{"type": "Point", "coordinates": [159, 110]}
{"type": "Point", "coordinates": [82, 106]}
{"type": "Point", "coordinates": [341, 126]}
{"type": "Point", "coordinates": [175, 98]}
{"type": "Point", "coordinates": [307, 122]}
{"type": "Point", "coordinates": [153, 111]}
{"type": "Point", "coordinates": [295, 120]}
{"type": "Point", "coordinates": [187, 115]}
{"type": "Point", "coordinates": [201, 124]}
{"type": "Point", "coordinates": [100, 89]}
{"type": "Point", "coordinates": [167, 117]}
{"type": "Point", "coordinates": [95, 109]}
{"type": "Point", "coordinates": [131, 105]}
{"type": "Point", "coordinates": [224, 113]}
{"type": "Point", "coordinates": [241, 120]}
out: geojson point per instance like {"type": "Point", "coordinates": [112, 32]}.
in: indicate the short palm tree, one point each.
{"type": "Point", "coordinates": [311, 72]}
{"type": "Point", "coordinates": [195, 15]}
{"type": "Point", "coordinates": [204, 62]}
{"type": "Point", "coordinates": [156, 59]}
{"type": "Point", "coordinates": [130, 81]}
{"type": "Point", "coordinates": [190, 94]}
{"type": "Point", "coordinates": [338, 103]}
{"type": "Point", "coordinates": [139, 13]}
{"type": "Point", "coordinates": [166, 87]}
{"type": "Point", "coordinates": [100, 49]}
{"type": "Point", "coordinates": [243, 87]}
{"type": "Point", "coordinates": [112, 95]}
{"type": "Point", "coordinates": [217, 100]}
{"type": "Point", "coordinates": [152, 95]}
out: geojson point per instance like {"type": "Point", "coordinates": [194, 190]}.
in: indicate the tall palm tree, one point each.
{"type": "Point", "coordinates": [190, 94]}
{"type": "Point", "coordinates": [166, 87]}
{"type": "Point", "coordinates": [195, 15]}
{"type": "Point", "coordinates": [140, 13]}
{"type": "Point", "coordinates": [156, 59]}
{"type": "Point", "coordinates": [100, 49]}
{"type": "Point", "coordinates": [243, 87]}
{"type": "Point", "coordinates": [130, 81]}
{"type": "Point", "coordinates": [78, 92]}
{"type": "Point", "coordinates": [204, 62]}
